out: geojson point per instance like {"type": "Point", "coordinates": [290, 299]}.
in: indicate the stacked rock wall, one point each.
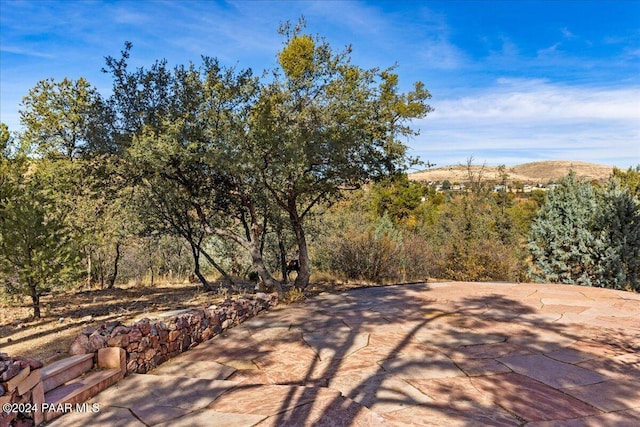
{"type": "Point", "coordinates": [149, 343]}
{"type": "Point", "coordinates": [20, 390]}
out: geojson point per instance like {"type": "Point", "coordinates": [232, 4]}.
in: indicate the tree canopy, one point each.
{"type": "Point", "coordinates": [324, 125]}
{"type": "Point", "coordinates": [238, 148]}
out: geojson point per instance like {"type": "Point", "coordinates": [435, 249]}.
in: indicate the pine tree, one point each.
{"type": "Point", "coordinates": [619, 228]}
{"type": "Point", "coordinates": [36, 251]}
{"type": "Point", "coordinates": [562, 241]}
{"type": "Point", "coordinates": [587, 236]}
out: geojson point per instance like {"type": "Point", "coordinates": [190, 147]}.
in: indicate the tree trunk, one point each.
{"type": "Point", "coordinates": [218, 267]}
{"type": "Point", "coordinates": [283, 256]}
{"type": "Point", "coordinates": [195, 251]}
{"type": "Point", "coordinates": [258, 262]}
{"type": "Point", "coordinates": [35, 300]}
{"type": "Point", "coordinates": [114, 274]}
{"type": "Point", "coordinates": [101, 269]}
{"type": "Point", "coordinates": [252, 244]}
{"type": "Point", "coordinates": [88, 268]}
{"type": "Point", "coordinates": [304, 275]}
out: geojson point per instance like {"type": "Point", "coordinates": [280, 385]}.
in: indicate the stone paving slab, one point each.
{"type": "Point", "coordinates": [437, 354]}
{"type": "Point", "coordinates": [422, 366]}
{"type": "Point", "coordinates": [569, 355]}
{"type": "Point", "coordinates": [615, 419]}
{"type": "Point", "coordinates": [337, 343]}
{"type": "Point", "coordinates": [381, 393]}
{"type": "Point", "coordinates": [459, 414]}
{"type": "Point", "coordinates": [551, 372]}
{"type": "Point", "coordinates": [207, 369]}
{"type": "Point", "coordinates": [338, 412]}
{"type": "Point", "coordinates": [609, 396]}
{"type": "Point", "coordinates": [108, 416]}
{"type": "Point", "coordinates": [210, 418]}
{"type": "Point", "coordinates": [531, 400]}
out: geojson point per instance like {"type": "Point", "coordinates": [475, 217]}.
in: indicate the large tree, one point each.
{"type": "Point", "coordinates": [324, 125]}
{"type": "Point", "coordinates": [183, 147]}
{"type": "Point", "coordinates": [69, 123]}
{"type": "Point", "coordinates": [618, 224]}
{"type": "Point", "coordinates": [239, 148]}
{"type": "Point", "coordinates": [36, 251]}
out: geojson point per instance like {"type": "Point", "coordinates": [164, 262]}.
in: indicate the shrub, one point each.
{"type": "Point", "coordinates": [587, 236]}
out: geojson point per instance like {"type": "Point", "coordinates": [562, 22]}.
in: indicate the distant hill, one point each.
{"type": "Point", "coordinates": [528, 173]}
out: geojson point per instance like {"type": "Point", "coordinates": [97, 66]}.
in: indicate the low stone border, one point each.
{"type": "Point", "coordinates": [150, 342]}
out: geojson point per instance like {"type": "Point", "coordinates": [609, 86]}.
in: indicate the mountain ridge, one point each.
{"type": "Point", "coordinates": [540, 172]}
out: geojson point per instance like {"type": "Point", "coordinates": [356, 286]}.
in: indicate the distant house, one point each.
{"type": "Point", "coordinates": [499, 188]}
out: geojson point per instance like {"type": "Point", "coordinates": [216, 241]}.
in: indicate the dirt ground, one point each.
{"type": "Point", "coordinates": [64, 314]}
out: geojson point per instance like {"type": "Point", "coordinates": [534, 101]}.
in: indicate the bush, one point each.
{"type": "Point", "coordinates": [475, 240]}
{"type": "Point", "coordinates": [375, 252]}
{"type": "Point", "coordinates": [587, 236]}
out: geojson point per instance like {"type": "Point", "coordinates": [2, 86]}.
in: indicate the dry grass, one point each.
{"type": "Point", "coordinates": [64, 314]}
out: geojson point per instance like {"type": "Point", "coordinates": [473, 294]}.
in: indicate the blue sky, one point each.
{"type": "Point", "coordinates": [512, 81]}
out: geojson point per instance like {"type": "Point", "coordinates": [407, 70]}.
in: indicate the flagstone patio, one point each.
{"type": "Point", "coordinates": [437, 354]}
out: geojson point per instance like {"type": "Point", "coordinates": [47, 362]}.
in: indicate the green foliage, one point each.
{"type": "Point", "coordinates": [539, 196]}
{"type": "Point", "coordinates": [5, 138]}
{"type": "Point", "coordinates": [188, 151]}
{"type": "Point", "coordinates": [233, 151]}
{"type": "Point", "coordinates": [36, 251]}
{"type": "Point", "coordinates": [297, 58]}
{"type": "Point", "coordinates": [62, 118]}
{"type": "Point", "coordinates": [562, 241]}
{"type": "Point", "coordinates": [522, 213]}
{"type": "Point", "coordinates": [327, 125]}
{"type": "Point", "coordinates": [399, 199]}
{"type": "Point", "coordinates": [618, 226]}
{"type": "Point", "coordinates": [226, 160]}
{"type": "Point", "coordinates": [629, 179]}
{"type": "Point", "coordinates": [375, 252]}
{"type": "Point", "coordinates": [587, 236]}
{"type": "Point", "coordinates": [474, 239]}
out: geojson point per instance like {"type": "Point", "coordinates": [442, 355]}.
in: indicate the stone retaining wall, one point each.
{"type": "Point", "coordinates": [149, 343]}
{"type": "Point", "coordinates": [20, 388]}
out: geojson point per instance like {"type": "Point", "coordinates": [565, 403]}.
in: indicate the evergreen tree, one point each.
{"type": "Point", "coordinates": [587, 236]}
{"type": "Point", "coordinates": [36, 252]}
{"type": "Point", "coordinates": [562, 241]}
{"type": "Point", "coordinates": [619, 228]}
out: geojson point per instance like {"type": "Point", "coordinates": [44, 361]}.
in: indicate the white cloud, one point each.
{"type": "Point", "coordinates": [549, 51]}
{"type": "Point", "coordinates": [26, 52]}
{"type": "Point", "coordinates": [537, 101]}
{"type": "Point", "coordinates": [534, 119]}
{"type": "Point", "coordinates": [567, 34]}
